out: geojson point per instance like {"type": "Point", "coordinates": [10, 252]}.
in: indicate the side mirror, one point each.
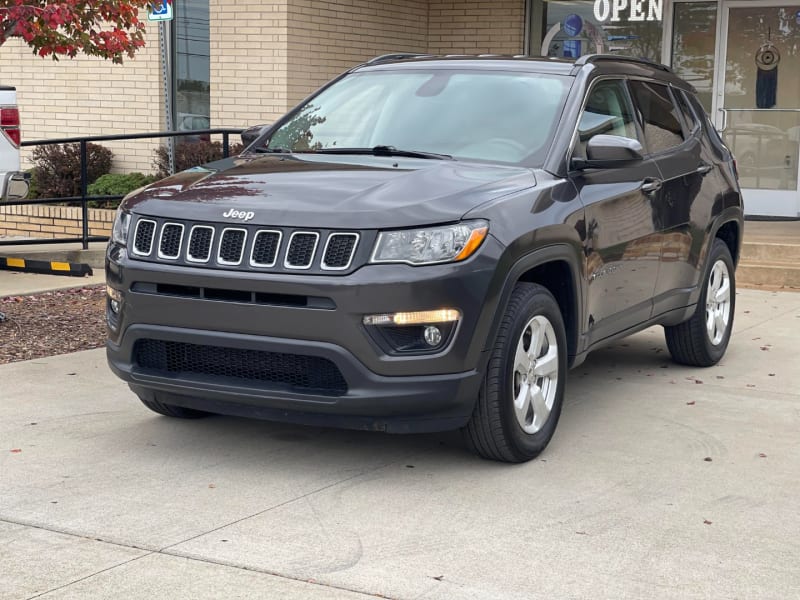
{"type": "Point", "coordinates": [251, 134]}
{"type": "Point", "coordinates": [609, 152]}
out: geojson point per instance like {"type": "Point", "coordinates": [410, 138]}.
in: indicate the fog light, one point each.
{"type": "Point", "coordinates": [433, 336]}
{"type": "Point", "coordinates": [114, 299]}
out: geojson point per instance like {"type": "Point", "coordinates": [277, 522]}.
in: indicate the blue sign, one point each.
{"type": "Point", "coordinates": [159, 10]}
{"type": "Point", "coordinates": [573, 25]}
{"type": "Point", "coordinates": [572, 48]}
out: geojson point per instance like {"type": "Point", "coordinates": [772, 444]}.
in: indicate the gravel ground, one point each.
{"type": "Point", "coordinates": [52, 323]}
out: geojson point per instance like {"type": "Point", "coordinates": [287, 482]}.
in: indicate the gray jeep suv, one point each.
{"type": "Point", "coordinates": [430, 243]}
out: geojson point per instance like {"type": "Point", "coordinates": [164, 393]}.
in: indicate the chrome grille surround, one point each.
{"type": "Point", "coordinates": [246, 247]}
{"type": "Point", "coordinates": [301, 247]}
{"type": "Point", "coordinates": [236, 246]}
{"type": "Point", "coordinates": [332, 262]}
{"type": "Point", "coordinates": [150, 237]}
{"type": "Point", "coordinates": [262, 234]}
{"type": "Point", "coordinates": [163, 241]}
{"type": "Point", "coordinates": [196, 230]}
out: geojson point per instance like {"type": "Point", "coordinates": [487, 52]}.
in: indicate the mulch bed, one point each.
{"type": "Point", "coordinates": [52, 323]}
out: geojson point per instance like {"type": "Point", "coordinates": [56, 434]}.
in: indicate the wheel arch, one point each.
{"type": "Point", "coordinates": [556, 268]}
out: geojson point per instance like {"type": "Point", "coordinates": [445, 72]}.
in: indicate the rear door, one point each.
{"type": "Point", "coordinates": [674, 139]}
{"type": "Point", "coordinates": [622, 246]}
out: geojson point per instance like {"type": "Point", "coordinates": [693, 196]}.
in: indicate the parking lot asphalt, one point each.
{"type": "Point", "coordinates": [662, 481]}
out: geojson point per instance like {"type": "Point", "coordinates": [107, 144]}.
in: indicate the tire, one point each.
{"type": "Point", "coordinates": [171, 410]}
{"type": "Point", "coordinates": [497, 429]}
{"type": "Point", "coordinates": [702, 340]}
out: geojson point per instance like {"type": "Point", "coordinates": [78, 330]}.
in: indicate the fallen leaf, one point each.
{"type": "Point", "coordinates": [690, 403]}
{"type": "Point", "coordinates": [720, 377]}
{"type": "Point", "coordinates": [212, 485]}
{"type": "Point", "coordinates": [698, 381]}
{"type": "Point", "coordinates": [706, 521]}
{"type": "Point", "coordinates": [409, 466]}
{"type": "Point", "coordinates": [708, 459]}
{"type": "Point", "coordinates": [16, 450]}
{"type": "Point", "coordinates": [771, 374]}
{"type": "Point", "coordinates": [438, 577]}
{"type": "Point", "coordinates": [751, 385]}
{"type": "Point", "coordinates": [581, 533]}
{"type": "Point", "coordinates": [762, 455]}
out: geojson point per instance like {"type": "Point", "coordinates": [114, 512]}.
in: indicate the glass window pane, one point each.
{"type": "Point", "coordinates": [192, 68]}
{"type": "Point", "coordinates": [485, 115]}
{"type": "Point", "coordinates": [578, 30]}
{"type": "Point", "coordinates": [693, 34]}
{"type": "Point", "coordinates": [607, 111]}
{"type": "Point", "coordinates": [662, 126]}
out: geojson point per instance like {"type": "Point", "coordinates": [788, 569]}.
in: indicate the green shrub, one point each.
{"type": "Point", "coordinates": [190, 154]}
{"type": "Point", "coordinates": [114, 184]}
{"type": "Point", "coordinates": [33, 189]}
{"type": "Point", "coordinates": [58, 168]}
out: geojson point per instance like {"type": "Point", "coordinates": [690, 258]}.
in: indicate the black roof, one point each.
{"type": "Point", "coordinates": [607, 63]}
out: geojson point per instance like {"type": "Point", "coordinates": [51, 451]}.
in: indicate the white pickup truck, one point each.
{"type": "Point", "coordinates": [14, 183]}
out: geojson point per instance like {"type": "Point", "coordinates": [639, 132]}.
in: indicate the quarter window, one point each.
{"type": "Point", "coordinates": [608, 111]}
{"type": "Point", "coordinates": [660, 120]}
{"type": "Point", "coordinates": [688, 115]}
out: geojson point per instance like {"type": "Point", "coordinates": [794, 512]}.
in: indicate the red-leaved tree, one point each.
{"type": "Point", "coordinates": [109, 29]}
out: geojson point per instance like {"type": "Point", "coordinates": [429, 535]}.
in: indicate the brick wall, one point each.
{"type": "Point", "coordinates": [46, 221]}
{"type": "Point", "coordinates": [249, 65]}
{"type": "Point", "coordinates": [328, 37]}
{"type": "Point", "coordinates": [476, 27]}
{"type": "Point", "coordinates": [88, 96]}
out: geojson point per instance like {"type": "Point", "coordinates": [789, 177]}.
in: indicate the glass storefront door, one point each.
{"type": "Point", "coordinates": [758, 101]}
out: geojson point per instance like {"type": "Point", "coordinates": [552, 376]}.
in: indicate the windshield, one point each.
{"type": "Point", "coordinates": [498, 116]}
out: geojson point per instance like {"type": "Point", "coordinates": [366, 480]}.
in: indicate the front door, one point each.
{"type": "Point", "coordinates": [758, 101]}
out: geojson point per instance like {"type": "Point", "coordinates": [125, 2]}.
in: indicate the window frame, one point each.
{"type": "Point", "coordinates": [623, 79]}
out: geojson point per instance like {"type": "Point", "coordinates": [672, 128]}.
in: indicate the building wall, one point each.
{"type": "Point", "coordinates": [249, 62]}
{"type": "Point", "coordinates": [88, 96]}
{"type": "Point", "coordinates": [476, 27]}
{"type": "Point", "coordinates": [328, 37]}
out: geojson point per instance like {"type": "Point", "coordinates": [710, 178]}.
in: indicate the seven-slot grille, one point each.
{"type": "Point", "coordinates": [244, 246]}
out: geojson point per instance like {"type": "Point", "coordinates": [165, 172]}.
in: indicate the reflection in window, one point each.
{"type": "Point", "coordinates": [693, 36]}
{"type": "Point", "coordinates": [607, 112]}
{"type": "Point", "coordinates": [579, 32]}
{"type": "Point", "coordinates": [662, 126]}
{"type": "Point", "coordinates": [192, 69]}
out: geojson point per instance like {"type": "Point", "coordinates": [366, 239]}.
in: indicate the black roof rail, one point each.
{"type": "Point", "coordinates": [595, 58]}
{"type": "Point", "coordinates": [395, 56]}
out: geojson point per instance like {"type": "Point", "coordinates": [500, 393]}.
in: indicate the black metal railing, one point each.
{"type": "Point", "coordinates": [84, 198]}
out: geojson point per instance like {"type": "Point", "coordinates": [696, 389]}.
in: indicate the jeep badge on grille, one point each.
{"type": "Point", "coordinates": [238, 214]}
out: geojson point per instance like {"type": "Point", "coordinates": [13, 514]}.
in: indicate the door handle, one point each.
{"type": "Point", "coordinates": [703, 168]}
{"type": "Point", "coordinates": [651, 185]}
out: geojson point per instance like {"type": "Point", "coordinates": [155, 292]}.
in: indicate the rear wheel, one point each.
{"type": "Point", "coordinates": [702, 340]}
{"type": "Point", "coordinates": [520, 399]}
{"type": "Point", "coordinates": [171, 410]}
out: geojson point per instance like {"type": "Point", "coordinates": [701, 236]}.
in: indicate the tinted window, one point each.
{"type": "Point", "coordinates": [660, 120]}
{"type": "Point", "coordinates": [607, 111]}
{"type": "Point", "coordinates": [685, 110]}
{"type": "Point", "coordinates": [501, 116]}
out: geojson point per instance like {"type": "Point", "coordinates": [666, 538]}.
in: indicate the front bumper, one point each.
{"type": "Point", "coordinates": [384, 392]}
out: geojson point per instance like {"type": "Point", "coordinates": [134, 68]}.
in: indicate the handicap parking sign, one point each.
{"type": "Point", "coordinates": [159, 10]}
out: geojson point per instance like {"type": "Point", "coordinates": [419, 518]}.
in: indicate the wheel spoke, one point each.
{"type": "Point", "coordinates": [522, 362]}
{"type": "Point", "coordinates": [723, 292]}
{"type": "Point", "coordinates": [522, 403]}
{"type": "Point", "coordinates": [710, 322]}
{"type": "Point", "coordinates": [719, 323]}
{"type": "Point", "coordinates": [547, 365]}
{"type": "Point", "coordinates": [540, 409]}
{"type": "Point", "coordinates": [537, 341]}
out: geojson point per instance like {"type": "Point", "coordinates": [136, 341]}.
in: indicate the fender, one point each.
{"type": "Point", "coordinates": [569, 253]}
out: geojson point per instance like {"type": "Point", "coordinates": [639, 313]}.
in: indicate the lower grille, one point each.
{"type": "Point", "coordinates": [294, 371]}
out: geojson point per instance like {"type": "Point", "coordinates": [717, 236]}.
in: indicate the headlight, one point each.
{"type": "Point", "coordinates": [430, 245]}
{"type": "Point", "coordinates": [119, 232]}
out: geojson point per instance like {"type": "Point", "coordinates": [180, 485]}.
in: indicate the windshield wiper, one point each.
{"type": "Point", "coordinates": [265, 150]}
{"type": "Point", "coordinates": [385, 151]}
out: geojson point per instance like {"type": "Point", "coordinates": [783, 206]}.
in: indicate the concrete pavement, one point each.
{"type": "Point", "coordinates": [100, 498]}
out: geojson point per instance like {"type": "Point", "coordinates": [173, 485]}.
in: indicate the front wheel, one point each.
{"type": "Point", "coordinates": [702, 340]}
{"type": "Point", "coordinates": [520, 399]}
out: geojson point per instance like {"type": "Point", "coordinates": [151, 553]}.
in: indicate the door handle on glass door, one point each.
{"type": "Point", "coordinates": [651, 185]}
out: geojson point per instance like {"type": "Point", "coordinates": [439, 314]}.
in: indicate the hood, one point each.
{"type": "Point", "coordinates": [349, 192]}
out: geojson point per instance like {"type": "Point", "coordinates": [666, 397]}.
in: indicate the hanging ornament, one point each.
{"type": "Point", "coordinates": [767, 59]}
